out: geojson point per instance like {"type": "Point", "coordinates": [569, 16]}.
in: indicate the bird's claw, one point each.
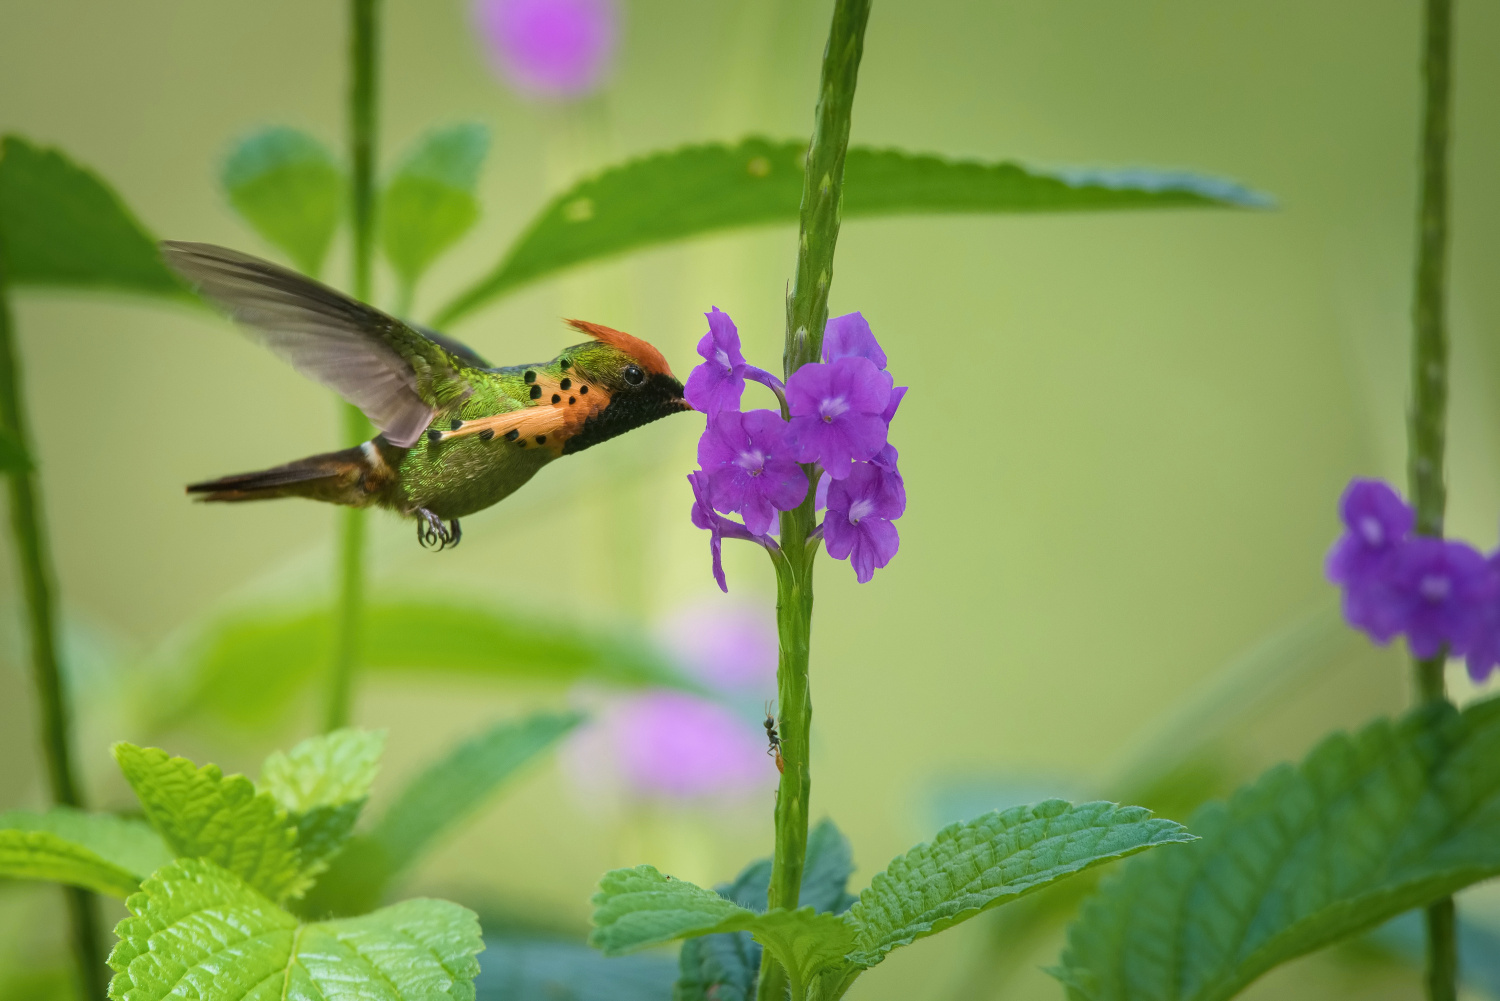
{"type": "Point", "coordinates": [432, 532]}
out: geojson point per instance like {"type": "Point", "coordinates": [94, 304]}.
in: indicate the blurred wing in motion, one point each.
{"type": "Point", "coordinates": [395, 375]}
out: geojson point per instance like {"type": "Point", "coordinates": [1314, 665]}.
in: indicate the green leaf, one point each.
{"type": "Point", "coordinates": [973, 866]}
{"type": "Point", "coordinates": [1366, 827]}
{"type": "Point", "coordinates": [196, 930]}
{"type": "Point", "coordinates": [121, 843]}
{"type": "Point", "coordinates": [246, 667]}
{"type": "Point", "coordinates": [64, 227]}
{"type": "Point", "coordinates": [694, 190]}
{"type": "Point", "coordinates": [429, 202]}
{"type": "Point", "coordinates": [290, 189]}
{"type": "Point", "coordinates": [202, 813]}
{"type": "Point", "coordinates": [13, 457]}
{"type": "Point", "coordinates": [323, 783]}
{"type": "Point", "coordinates": [456, 786]}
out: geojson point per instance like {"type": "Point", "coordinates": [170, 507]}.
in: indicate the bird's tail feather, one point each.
{"type": "Point", "coordinates": [341, 477]}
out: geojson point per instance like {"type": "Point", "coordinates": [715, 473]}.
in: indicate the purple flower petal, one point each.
{"type": "Point", "coordinates": [1483, 655]}
{"type": "Point", "coordinates": [1438, 586]}
{"type": "Point", "coordinates": [897, 395]}
{"type": "Point", "coordinates": [704, 517]}
{"type": "Point", "coordinates": [719, 382]}
{"type": "Point", "coordinates": [551, 48]}
{"type": "Point", "coordinates": [858, 524]}
{"type": "Point", "coordinates": [1376, 521]}
{"type": "Point", "coordinates": [748, 460]}
{"type": "Point", "coordinates": [849, 336]}
{"type": "Point", "coordinates": [836, 408]}
{"type": "Point", "coordinates": [727, 644]}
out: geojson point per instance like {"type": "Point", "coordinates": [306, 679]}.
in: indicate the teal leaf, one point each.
{"type": "Point", "coordinates": [64, 227]}
{"type": "Point", "coordinates": [97, 851]}
{"type": "Point", "coordinates": [429, 203]}
{"type": "Point", "coordinates": [687, 192]}
{"type": "Point", "coordinates": [1367, 826]}
{"type": "Point", "coordinates": [970, 867]}
{"type": "Point", "coordinates": [246, 667]}
{"type": "Point", "coordinates": [202, 813]}
{"type": "Point", "coordinates": [290, 189]}
{"type": "Point", "coordinates": [13, 457]}
{"type": "Point", "coordinates": [197, 930]}
{"type": "Point", "coordinates": [322, 784]}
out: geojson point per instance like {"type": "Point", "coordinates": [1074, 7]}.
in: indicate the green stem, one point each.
{"type": "Point", "coordinates": [807, 312]}
{"type": "Point", "coordinates": [1429, 397]}
{"type": "Point", "coordinates": [29, 536]}
{"type": "Point", "coordinates": [364, 41]}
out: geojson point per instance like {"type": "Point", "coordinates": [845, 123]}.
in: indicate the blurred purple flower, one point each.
{"type": "Point", "coordinates": [1377, 522]}
{"type": "Point", "coordinates": [728, 645]}
{"type": "Point", "coordinates": [1483, 654]}
{"type": "Point", "coordinates": [748, 461]}
{"type": "Point", "coordinates": [849, 336]}
{"type": "Point", "coordinates": [1436, 587]}
{"type": "Point", "coordinates": [719, 381]}
{"type": "Point", "coordinates": [551, 48]}
{"type": "Point", "coordinates": [836, 412]}
{"type": "Point", "coordinates": [669, 745]}
{"type": "Point", "coordinates": [858, 524]}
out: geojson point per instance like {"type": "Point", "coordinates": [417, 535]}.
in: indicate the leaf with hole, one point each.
{"type": "Point", "coordinates": [1366, 827]}
{"type": "Point", "coordinates": [323, 783]}
{"type": "Point", "coordinates": [64, 227]}
{"type": "Point", "coordinates": [290, 189]}
{"type": "Point", "coordinates": [198, 931]}
{"type": "Point", "coordinates": [688, 192]}
{"type": "Point", "coordinates": [429, 203]}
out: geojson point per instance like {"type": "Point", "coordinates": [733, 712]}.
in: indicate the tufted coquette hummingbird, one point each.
{"type": "Point", "coordinates": [456, 434]}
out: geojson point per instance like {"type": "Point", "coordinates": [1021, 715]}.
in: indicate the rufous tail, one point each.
{"type": "Point", "coordinates": [343, 477]}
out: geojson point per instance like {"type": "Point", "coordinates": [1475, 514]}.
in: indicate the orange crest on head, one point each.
{"type": "Point", "coordinates": [649, 358]}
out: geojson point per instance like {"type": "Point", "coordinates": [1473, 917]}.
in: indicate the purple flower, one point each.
{"type": "Point", "coordinates": [704, 516]}
{"type": "Point", "coordinates": [719, 382]}
{"type": "Point", "coordinates": [669, 745]}
{"type": "Point", "coordinates": [729, 645]}
{"type": "Point", "coordinates": [1484, 641]}
{"type": "Point", "coordinates": [836, 412]}
{"type": "Point", "coordinates": [1377, 523]}
{"type": "Point", "coordinates": [1435, 591]}
{"type": "Point", "coordinates": [897, 395]}
{"type": "Point", "coordinates": [849, 336]}
{"type": "Point", "coordinates": [552, 48]}
{"type": "Point", "coordinates": [748, 461]}
{"type": "Point", "coordinates": [858, 526]}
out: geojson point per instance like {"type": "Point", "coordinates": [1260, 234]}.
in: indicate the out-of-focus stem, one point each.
{"type": "Point", "coordinates": [807, 311]}
{"type": "Point", "coordinates": [28, 534]}
{"type": "Point", "coordinates": [1427, 420]}
{"type": "Point", "coordinates": [364, 42]}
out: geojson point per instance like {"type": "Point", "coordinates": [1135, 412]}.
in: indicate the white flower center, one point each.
{"type": "Point", "coordinates": [722, 357]}
{"type": "Point", "coordinates": [1371, 529]}
{"type": "Point", "coordinates": [831, 407]}
{"type": "Point", "coordinates": [752, 461]}
{"type": "Point", "coordinates": [859, 509]}
{"type": "Point", "coordinates": [1435, 587]}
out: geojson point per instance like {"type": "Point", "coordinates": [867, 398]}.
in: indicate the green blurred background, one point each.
{"type": "Point", "coordinates": [1123, 445]}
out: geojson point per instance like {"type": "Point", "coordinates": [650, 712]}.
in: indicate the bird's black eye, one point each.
{"type": "Point", "coordinates": [634, 375]}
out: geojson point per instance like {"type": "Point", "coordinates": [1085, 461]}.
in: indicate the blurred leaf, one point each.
{"type": "Point", "coordinates": [548, 970]}
{"type": "Point", "coordinates": [56, 983]}
{"type": "Point", "coordinates": [323, 783]}
{"type": "Point", "coordinates": [124, 842]}
{"type": "Point", "coordinates": [451, 789]}
{"type": "Point", "coordinates": [1366, 827]}
{"type": "Point", "coordinates": [247, 666]}
{"type": "Point", "coordinates": [40, 854]}
{"type": "Point", "coordinates": [198, 931]}
{"type": "Point", "coordinates": [64, 227]}
{"type": "Point", "coordinates": [201, 813]}
{"type": "Point", "coordinates": [702, 189]}
{"type": "Point", "coordinates": [290, 189]}
{"type": "Point", "coordinates": [13, 457]}
{"type": "Point", "coordinates": [430, 201]}
{"type": "Point", "coordinates": [971, 867]}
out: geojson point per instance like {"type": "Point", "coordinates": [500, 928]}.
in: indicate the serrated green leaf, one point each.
{"type": "Point", "coordinates": [202, 813]}
{"type": "Point", "coordinates": [973, 866]}
{"type": "Point", "coordinates": [1366, 827]}
{"type": "Point", "coordinates": [694, 190]}
{"type": "Point", "coordinates": [454, 787]}
{"type": "Point", "coordinates": [65, 228]}
{"type": "Point", "coordinates": [246, 667]}
{"type": "Point", "coordinates": [323, 783]}
{"type": "Point", "coordinates": [429, 202]}
{"type": "Point", "coordinates": [13, 457]}
{"type": "Point", "coordinates": [197, 930]}
{"type": "Point", "coordinates": [101, 851]}
{"type": "Point", "coordinates": [290, 189]}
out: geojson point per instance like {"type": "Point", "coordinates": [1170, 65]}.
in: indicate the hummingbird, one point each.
{"type": "Point", "coordinates": [456, 434]}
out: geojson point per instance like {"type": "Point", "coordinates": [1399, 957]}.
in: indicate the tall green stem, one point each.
{"type": "Point", "coordinates": [1429, 397]}
{"type": "Point", "coordinates": [29, 535]}
{"type": "Point", "coordinates": [807, 311]}
{"type": "Point", "coordinates": [364, 42]}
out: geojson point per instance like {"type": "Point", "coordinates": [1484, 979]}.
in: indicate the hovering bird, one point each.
{"type": "Point", "coordinates": [456, 435]}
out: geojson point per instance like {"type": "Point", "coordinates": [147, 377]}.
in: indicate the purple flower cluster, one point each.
{"type": "Point", "coordinates": [1442, 594]}
{"type": "Point", "coordinates": [754, 463]}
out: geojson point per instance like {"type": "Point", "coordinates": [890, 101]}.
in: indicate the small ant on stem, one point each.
{"type": "Point", "coordinates": [774, 738]}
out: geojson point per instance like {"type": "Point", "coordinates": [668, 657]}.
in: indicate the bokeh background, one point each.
{"type": "Point", "coordinates": [1123, 445]}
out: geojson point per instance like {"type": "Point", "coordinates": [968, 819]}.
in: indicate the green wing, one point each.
{"type": "Point", "coordinates": [388, 369]}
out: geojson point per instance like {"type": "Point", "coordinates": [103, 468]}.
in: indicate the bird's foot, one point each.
{"type": "Point", "coordinates": [432, 532]}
